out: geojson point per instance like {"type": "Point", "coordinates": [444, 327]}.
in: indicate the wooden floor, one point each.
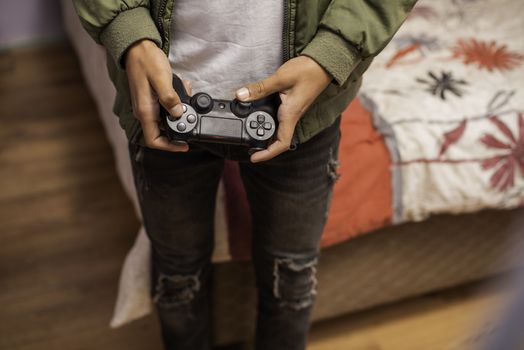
{"type": "Point", "coordinates": [65, 222]}
{"type": "Point", "coordinates": [65, 226]}
{"type": "Point", "coordinates": [460, 319]}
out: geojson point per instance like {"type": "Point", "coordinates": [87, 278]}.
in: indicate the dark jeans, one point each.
{"type": "Point", "coordinates": [289, 198]}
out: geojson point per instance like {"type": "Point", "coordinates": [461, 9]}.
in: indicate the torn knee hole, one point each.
{"type": "Point", "coordinates": [332, 166]}
{"type": "Point", "coordinates": [176, 290]}
{"type": "Point", "coordinates": [295, 282]}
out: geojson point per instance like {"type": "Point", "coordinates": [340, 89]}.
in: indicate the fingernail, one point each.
{"type": "Point", "coordinates": [181, 146]}
{"type": "Point", "coordinates": [242, 93]}
{"type": "Point", "coordinates": [179, 143]}
{"type": "Point", "coordinates": [178, 110]}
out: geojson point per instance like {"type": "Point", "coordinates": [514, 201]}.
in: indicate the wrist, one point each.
{"type": "Point", "coordinates": [137, 49]}
{"type": "Point", "coordinates": [128, 27]}
{"type": "Point", "coordinates": [334, 54]}
{"type": "Point", "coordinates": [315, 72]}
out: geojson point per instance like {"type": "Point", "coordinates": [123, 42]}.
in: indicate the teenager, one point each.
{"type": "Point", "coordinates": [313, 53]}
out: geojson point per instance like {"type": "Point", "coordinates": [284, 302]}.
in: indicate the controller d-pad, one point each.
{"type": "Point", "coordinates": [260, 126]}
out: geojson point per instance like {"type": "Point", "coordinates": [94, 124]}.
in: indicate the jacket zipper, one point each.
{"type": "Point", "coordinates": [285, 57]}
{"type": "Point", "coordinates": [161, 11]}
{"type": "Point", "coordinates": [285, 32]}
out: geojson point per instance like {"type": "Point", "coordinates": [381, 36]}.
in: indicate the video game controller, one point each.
{"type": "Point", "coordinates": [251, 124]}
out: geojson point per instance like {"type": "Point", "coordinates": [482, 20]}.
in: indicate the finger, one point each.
{"type": "Point", "coordinates": [146, 110]}
{"type": "Point", "coordinates": [262, 88]}
{"type": "Point", "coordinates": [286, 129]}
{"type": "Point", "coordinates": [145, 103]}
{"type": "Point", "coordinates": [162, 143]}
{"type": "Point", "coordinates": [271, 152]}
{"type": "Point", "coordinates": [163, 85]}
{"type": "Point", "coordinates": [154, 139]}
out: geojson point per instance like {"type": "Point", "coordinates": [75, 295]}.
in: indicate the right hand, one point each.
{"type": "Point", "coordinates": [150, 82]}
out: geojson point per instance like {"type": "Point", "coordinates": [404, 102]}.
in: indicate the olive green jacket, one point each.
{"type": "Point", "coordinates": [343, 36]}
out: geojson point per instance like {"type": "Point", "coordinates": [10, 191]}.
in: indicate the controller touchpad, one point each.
{"type": "Point", "coordinates": [221, 128]}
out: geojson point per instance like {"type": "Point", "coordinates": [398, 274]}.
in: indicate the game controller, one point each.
{"type": "Point", "coordinates": [251, 124]}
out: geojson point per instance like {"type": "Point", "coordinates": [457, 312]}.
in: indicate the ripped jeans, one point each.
{"type": "Point", "coordinates": [289, 198]}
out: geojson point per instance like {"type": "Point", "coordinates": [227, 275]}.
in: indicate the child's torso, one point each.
{"type": "Point", "coordinates": [221, 45]}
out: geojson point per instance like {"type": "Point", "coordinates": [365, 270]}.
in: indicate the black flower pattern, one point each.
{"type": "Point", "coordinates": [441, 85]}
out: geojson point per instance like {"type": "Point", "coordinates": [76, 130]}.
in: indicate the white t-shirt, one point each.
{"type": "Point", "coordinates": [221, 45]}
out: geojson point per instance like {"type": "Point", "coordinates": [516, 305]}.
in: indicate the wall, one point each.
{"type": "Point", "coordinates": [24, 22]}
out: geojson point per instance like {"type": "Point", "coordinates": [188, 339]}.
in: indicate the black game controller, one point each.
{"type": "Point", "coordinates": [251, 124]}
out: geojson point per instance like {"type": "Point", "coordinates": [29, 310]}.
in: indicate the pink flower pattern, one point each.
{"type": "Point", "coordinates": [505, 165]}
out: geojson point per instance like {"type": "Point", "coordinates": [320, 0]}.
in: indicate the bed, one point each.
{"type": "Point", "coordinates": [431, 193]}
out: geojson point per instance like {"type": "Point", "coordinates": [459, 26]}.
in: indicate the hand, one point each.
{"type": "Point", "coordinates": [150, 82]}
{"type": "Point", "coordinates": [299, 82]}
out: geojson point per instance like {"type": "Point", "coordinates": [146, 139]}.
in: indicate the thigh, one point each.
{"type": "Point", "coordinates": [289, 195]}
{"type": "Point", "coordinates": [177, 194]}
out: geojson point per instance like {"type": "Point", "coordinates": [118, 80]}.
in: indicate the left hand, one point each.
{"type": "Point", "coordinates": [299, 81]}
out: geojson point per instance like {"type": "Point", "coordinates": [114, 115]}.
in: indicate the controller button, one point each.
{"type": "Point", "coordinates": [267, 125]}
{"type": "Point", "coordinates": [261, 118]}
{"type": "Point", "coordinates": [253, 124]}
{"type": "Point", "coordinates": [181, 126]}
{"type": "Point", "coordinates": [260, 132]}
{"type": "Point", "coordinates": [191, 118]}
{"type": "Point", "coordinates": [185, 108]}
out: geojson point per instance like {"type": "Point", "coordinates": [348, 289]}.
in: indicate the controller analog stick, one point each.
{"type": "Point", "coordinates": [241, 109]}
{"type": "Point", "coordinates": [202, 102]}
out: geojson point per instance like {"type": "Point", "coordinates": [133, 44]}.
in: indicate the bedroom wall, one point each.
{"type": "Point", "coordinates": [25, 22]}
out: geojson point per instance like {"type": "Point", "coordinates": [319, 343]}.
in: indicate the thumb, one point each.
{"type": "Point", "coordinates": [261, 88]}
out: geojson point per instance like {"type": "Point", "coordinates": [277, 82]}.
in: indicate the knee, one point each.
{"type": "Point", "coordinates": [177, 289]}
{"type": "Point", "coordinates": [294, 282]}
{"type": "Point", "coordinates": [178, 281]}
{"type": "Point", "coordinates": [180, 295]}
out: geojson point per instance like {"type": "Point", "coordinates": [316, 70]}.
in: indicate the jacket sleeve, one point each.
{"type": "Point", "coordinates": [353, 30]}
{"type": "Point", "coordinates": [117, 24]}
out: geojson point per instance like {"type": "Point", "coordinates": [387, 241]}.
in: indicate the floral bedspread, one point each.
{"type": "Point", "coordinates": [448, 95]}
